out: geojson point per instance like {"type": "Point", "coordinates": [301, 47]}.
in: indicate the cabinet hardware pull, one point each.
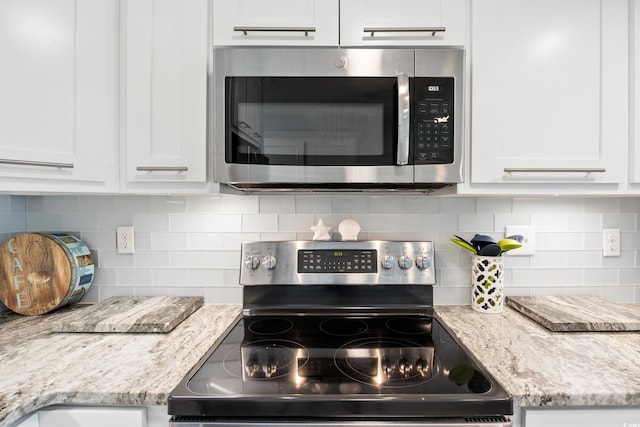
{"type": "Point", "coordinates": [243, 124]}
{"type": "Point", "coordinates": [41, 164]}
{"type": "Point", "coordinates": [305, 30]}
{"type": "Point", "coordinates": [404, 103]}
{"type": "Point", "coordinates": [162, 168]}
{"type": "Point", "coordinates": [432, 30]}
{"type": "Point", "coordinates": [554, 170]}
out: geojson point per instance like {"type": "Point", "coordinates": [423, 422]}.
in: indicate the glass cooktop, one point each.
{"type": "Point", "coordinates": [386, 364]}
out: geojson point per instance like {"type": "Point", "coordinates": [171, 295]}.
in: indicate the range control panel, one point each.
{"type": "Point", "coordinates": [352, 262]}
{"type": "Point", "coordinates": [433, 120]}
{"type": "Point", "coordinates": [337, 261]}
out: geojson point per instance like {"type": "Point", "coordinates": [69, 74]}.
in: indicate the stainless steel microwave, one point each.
{"type": "Point", "coordinates": [337, 119]}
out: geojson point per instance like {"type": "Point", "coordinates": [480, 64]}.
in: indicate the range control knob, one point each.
{"type": "Point", "coordinates": [387, 262]}
{"type": "Point", "coordinates": [269, 262]}
{"type": "Point", "coordinates": [422, 367]}
{"type": "Point", "coordinates": [252, 262]}
{"type": "Point", "coordinates": [405, 262]}
{"type": "Point", "coordinates": [423, 262]}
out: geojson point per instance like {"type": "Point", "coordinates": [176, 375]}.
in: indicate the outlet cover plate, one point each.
{"type": "Point", "coordinates": [528, 244]}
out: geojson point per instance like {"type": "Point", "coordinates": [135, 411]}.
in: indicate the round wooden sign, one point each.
{"type": "Point", "coordinates": [40, 272]}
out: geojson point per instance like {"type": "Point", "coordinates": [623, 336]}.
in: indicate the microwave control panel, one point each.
{"type": "Point", "coordinates": [433, 120]}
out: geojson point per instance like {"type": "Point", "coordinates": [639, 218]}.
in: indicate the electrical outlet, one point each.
{"type": "Point", "coordinates": [528, 232]}
{"type": "Point", "coordinates": [611, 242]}
{"type": "Point", "coordinates": [124, 240]}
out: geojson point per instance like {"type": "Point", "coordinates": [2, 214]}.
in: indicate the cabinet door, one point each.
{"type": "Point", "coordinates": [275, 22]}
{"type": "Point", "coordinates": [165, 92]}
{"type": "Point", "coordinates": [92, 416]}
{"type": "Point", "coordinates": [634, 176]}
{"type": "Point", "coordinates": [403, 22]}
{"type": "Point", "coordinates": [549, 91]}
{"type": "Point", "coordinates": [581, 417]}
{"type": "Point", "coordinates": [58, 80]}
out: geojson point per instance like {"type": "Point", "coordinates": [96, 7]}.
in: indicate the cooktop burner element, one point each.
{"type": "Point", "coordinates": [338, 345]}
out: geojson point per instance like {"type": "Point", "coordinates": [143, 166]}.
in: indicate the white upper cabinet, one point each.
{"type": "Point", "coordinates": [164, 108]}
{"type": "Point", "coordinates": [549, 100]}
{"type": "Point", "coordinates": [403, 22]}
{"type": "Point", "coordinates": [634, 175]}
{"type": "Point", "coordinates": [275, 22]}
{"type": "Point", "coordinates": [58, 86]}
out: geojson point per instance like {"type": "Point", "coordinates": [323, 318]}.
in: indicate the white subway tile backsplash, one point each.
{"type": "Point", "coordinates": [169, 277]}
{"type": "Point", "coordinates": [151, 259]}
{"type": "Point", "coordinates": [259, 222]}
{"type": "Point", "coordinates": [602, 204]}
{"type": "Point", "coordinates": [186, 223]}
{"type": "Point", "coordinates": [475, 223]}
{"type": "Point", "coordinates": [233, 241]}
{"type": "Point", "coordinates": [629, 204]}
{"type": "Point", "coordinates": [188, 259]}
{"type": "Point", "coordinates": [550, 222]}
{"type": "Point", "coordinates": [190, 245]}
{"type": "Point", "coordinates": [528, 205]}
{"type": "Point", "coordinates": [387, 204]}
{"type": "Point", "coordinates": [61, 204]}
{"type": "Point", "coordinates": [151, 222]}
{"type": "Point", "coordinates": [244, 204]}
{"type": "Point", "coordinates": [502, 220]}
{"type": "Point", "coordinates": [623, 221]}
{"type": "Point", "coordinates": [566, 205]}
{"type": "Point", "coordinates": [205, 241]}
{"type": "Point", "coordinates": [349, 204]}
{"type": "Point", "coordinates": [440, 223]}
{"type": "Point", "coordinates": [422, 205]}
{"type": "Point", "coordinates": [494, 205]}
{"type": "Point", "coordinates": [277, 204]}
{"type": "Point", "coordinates": [165, 241]}
{"type": "Point", "coordinates": [226, 223]}
{"type": "Point", "coordinates": [313, 204]}
{"type": "Point", "coordinates": [584, 223]}
{"type": "Point", "coordinates": [294, 222]}
{"type": "Point", "coordinates": [457, 205]}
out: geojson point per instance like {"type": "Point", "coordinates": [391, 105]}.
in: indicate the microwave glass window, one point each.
{"type": "Point", "coordinates": [311, 121]}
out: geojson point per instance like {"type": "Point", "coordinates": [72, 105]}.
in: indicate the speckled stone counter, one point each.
{"type": "Point", "coordinates": [543, 368]}
{"type": "Point", "coordinates": [537, 367]}
{"type": "Point", "coordinates": [39, 367]}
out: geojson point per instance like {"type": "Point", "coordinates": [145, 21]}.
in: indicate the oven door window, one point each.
{"type": "Point", "coordinates": [311, 121]}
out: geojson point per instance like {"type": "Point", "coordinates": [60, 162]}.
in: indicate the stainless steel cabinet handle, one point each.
{"type": "Point", "coordinates": [40, 164]}
{"type": "Point", "coordinates": [305, 30]}
{"type": "Point", "coordinates": [162, 168]}
{"type": "Point", "coordinates": [432, 30]}
{"type": "Point", "coordinates": [555, 170]}
{"type": "Point", "coordinates": [403, 119]}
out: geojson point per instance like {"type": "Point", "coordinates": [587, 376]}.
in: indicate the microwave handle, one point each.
{"type": "Point", "coordinates": [404, 104]}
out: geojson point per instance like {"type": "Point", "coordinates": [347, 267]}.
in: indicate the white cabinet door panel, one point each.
{"type": "Point", "coordinates": [404, 22]}
{"type": "Point", "coordinates": [59, 94]}
{"type": "Point", "coordinates": [548, 90]}
{"type": "Point", "coordinates": [275, 22]}
{"type": "Point", "coordinates": [165, 93]}
{"type": "Point", "coordinates": [577, 417]}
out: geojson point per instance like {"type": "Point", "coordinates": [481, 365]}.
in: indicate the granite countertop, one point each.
{"type": "Point", "coordinates": [39, 367]}
{"type": "Point", "coordinates": [539, 367]}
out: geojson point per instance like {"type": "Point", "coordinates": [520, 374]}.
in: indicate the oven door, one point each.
{"type": "Point", "coordinates": [312, 116]}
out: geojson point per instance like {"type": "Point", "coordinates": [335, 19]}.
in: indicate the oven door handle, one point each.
{"type": "Point", "coordinates": [404, 106]}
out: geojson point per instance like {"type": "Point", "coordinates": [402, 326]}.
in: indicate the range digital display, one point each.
{"type": "Point", "coordinates": [334, 261]}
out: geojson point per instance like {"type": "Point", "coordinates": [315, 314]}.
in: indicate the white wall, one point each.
{"type": "Point", "coordinates": [190, 245]}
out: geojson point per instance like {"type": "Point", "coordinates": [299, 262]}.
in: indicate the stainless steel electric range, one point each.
{"type": "Point", "coordinates": [338, 333]}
